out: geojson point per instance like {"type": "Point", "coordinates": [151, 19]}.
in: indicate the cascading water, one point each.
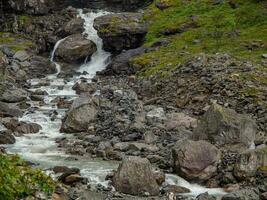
{"type": "Point", "coordinates": [41, 147]}
{"type": "Point", "coordinates": [99, 59]}
{"type": "Point", "coordinates": [52, 57]}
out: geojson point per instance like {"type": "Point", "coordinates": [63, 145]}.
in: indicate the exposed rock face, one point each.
{"type": "Point", "coordinates": [121, 63]}
{"type": "Point", "coordinates": [121, 31]}
{"type": "Point", "coordinates": [81, 113]}
{"type": "Point", "coordinates": [30, 6]}
{"type": "Point", "coordinates": [75, 49]}
{"type": "Point", "coordinates": [41, 7]}
{"type": "Point", "coordinates": [134, 176]}
{"type": "Point", "coordinates": [195, 160]}
{"type": "Point", "coordinates": [3, 64]}
{"type": "Point", "coordinates": [249, 161]}
{"type": "Point", "coordinates": [224, 126]}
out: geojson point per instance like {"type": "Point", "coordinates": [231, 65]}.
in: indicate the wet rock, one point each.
{"type": "Point", "coordinates": [121, 31]}
{"type": "Point", "coordinates": [195, 160]}
{"type": "Point", "coordinates": [14, 95]}
{"type": "Point", "coordinates": [70, 171]}
{"type": "Point", "coordinates": [26, 128]}
{"type": "Point", "coordinates": [75, 178]}
{"type": "Point", "coordinates": [39, 67]}
{"type": "Point", "coordinates": [175, 189]}
{"type": "Point", "coordinates": [7, 110]}
{"type": "Point", "coordinates": [75, 49]}
{"type": "Point", "coordinates": [127, 179]}
{"type": "Point", "coordinates": [264, 56]}
{"type": "Point", "coordinates": [249, 162]}
{"type": "Point", "coordinates": [243, 194]}
{"type": "Point", "coordinates": [60, 169]}
{"type": "Point", "coordinates": [121, 63]}
{"type": "Point", "coordinates": [206, 196]}
{"type": "Point", "coordinates": [224, 126]}
{"type": "Point", "coordinates": [6, 137]}
{"type": "Point", "coordinates": [78, 118]}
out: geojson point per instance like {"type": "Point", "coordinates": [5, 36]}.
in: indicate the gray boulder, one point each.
{"type": "Point", "coordinates": [121, 64]}
{"type": "Point", "coordinates": [8, 110]}
{"type": "Point", "coordinates": [82, 112]}
{"type": "Point", "coordinates": [224, 126]}
{"type": "Point", "coordinates": [74, 26]}
{"type": "Point", "coordinates": [121, 31]}
{"type": "Point", "coordinates": [74, 49]}
{"type": "Point", "coordinates": [195, 160]}
{"type": "Point", "coordinates": [134, 176]}
{"type": "Point", "coordinates": [249, 162]}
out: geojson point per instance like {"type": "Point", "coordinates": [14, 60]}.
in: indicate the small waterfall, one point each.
{"type": "Point", "coordinates": [52, 57]}
{"type": "Point", "coordinates": [99, 59]}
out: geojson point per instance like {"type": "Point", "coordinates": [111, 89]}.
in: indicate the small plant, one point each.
{"type": "Point", "coordinates": [18, 180]}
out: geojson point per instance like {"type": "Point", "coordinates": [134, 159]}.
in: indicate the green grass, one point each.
{"type": "Point", "coordinates": [19, 181]}
{"type": "Point", "coordinates": [241, 32]}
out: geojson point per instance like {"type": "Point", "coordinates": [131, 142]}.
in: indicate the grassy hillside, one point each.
{"type": "Point", "coordinates": [237, 27]}
{"type": "Point", "coordinates": [18, 180]}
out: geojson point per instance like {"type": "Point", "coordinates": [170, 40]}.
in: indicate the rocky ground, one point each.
{"type": "Point", "coordinates": [201, 122]}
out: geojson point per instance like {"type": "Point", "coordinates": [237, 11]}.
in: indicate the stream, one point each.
{"type": "Point", "coordinates": [41, 148]}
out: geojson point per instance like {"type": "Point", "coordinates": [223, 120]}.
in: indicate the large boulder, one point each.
{"type": "Point", "coordinates": [75, 48]}
{"type": "Point", "coordinates": [195, 160]}
{"type": "Point", "coordinates": [134, 176]}
{"type": "Point", "coordinates": [249, 162]}
{"type": "Point", "coordinates": [121, 31]}
{"type": "Point", "coordinates": [226, 127]}
{"type": "Point", "coordinates": [121, 64]}
{"type": "Point", "coordinates": [82, 112]}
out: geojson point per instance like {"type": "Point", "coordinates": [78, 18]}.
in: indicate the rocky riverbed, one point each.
{"type": "Point", "coordinates": [72, 104]}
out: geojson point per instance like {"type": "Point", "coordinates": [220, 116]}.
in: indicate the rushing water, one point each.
{"type": "Point", "coordinates": [41, 147]}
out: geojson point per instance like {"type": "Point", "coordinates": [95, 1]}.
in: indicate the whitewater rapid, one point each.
{"type": "Point", "coordinates": [41, 148]}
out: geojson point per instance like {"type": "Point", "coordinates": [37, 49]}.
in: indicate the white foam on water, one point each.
{"type": "Point", "coordinates": [99, 59]}
{"type": "Point", "coordinates": [196, 189]}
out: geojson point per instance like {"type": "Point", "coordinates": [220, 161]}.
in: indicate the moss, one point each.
{"type": "Point", "coordinates": [18, 180]}
{"type": "Point", "coordinates": [263, 168]}
{"type": "Point", "coordinates": [220, 29]}
{"type": "Point", "coordinates": [23, 18]}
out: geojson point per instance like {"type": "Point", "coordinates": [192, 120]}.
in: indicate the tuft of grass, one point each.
{"type": "Point", "coordinates": [19, 181]}
{"type": "Point", "coordinates": [241, 32]}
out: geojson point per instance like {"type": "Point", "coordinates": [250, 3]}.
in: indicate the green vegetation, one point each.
{"type": "Point", "coordinates": [14, 42]}
{"type": "Point", "coordinates": [23, 18]}
{"type": "Point", "coordinates": [201, 26]}
{"type": "Point", "coordinates": [18, 180]}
